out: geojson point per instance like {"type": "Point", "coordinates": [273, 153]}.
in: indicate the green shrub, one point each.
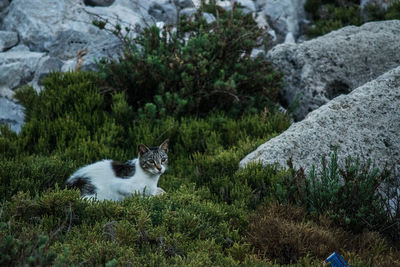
{"type": "Point", "coordinates": [281, 232]}
{"type": "Point", "coordinates": [329, 15]}
{"type": "Point", "coordinates": [393, 11]}
{"type": "Point", "coordinates": [197, 69]}
{"type": "Point", "coordinates": [351, 196]}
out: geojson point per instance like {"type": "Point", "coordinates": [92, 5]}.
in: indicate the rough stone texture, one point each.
{"type": "Point", "coordinates": [4, 4]}
{"type": "Point", "coordinates": [45, 67]}
{"type": "Point", "coordinates": [284, 16]}
{"type": "Point", "coordinates": [98, 2]}
{"type": "Point", "coordinates": [11, 113]}
{"type": "Point", "coordinates": [323, 68]}
{"type": "Point", "coordinates": [164, 11]}
{"type": "Point", "coordinates": [17, 68]}
{"type": "Point", "coordinates": [364, 123]}
{"type": "Point", "coordinates": [70, 42]}
{"type": "Point", "coordinates": [37, 28]}
{"type": "Point", "coordinates": [8, 40]}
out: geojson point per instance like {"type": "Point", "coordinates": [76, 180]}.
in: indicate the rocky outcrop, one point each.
{"type": "Point", "coordinates": [364, 123]}
{"type": "Point", "coordinates": [284, 16]}
{"type": "Point", "coordinates": [17, 68]}
{"type": "Point", "coordinates": [11, 113]}
{"type": "Point", "coordinates": [318, 70]}
{"type": "Point", "coordinates": [8, 40]}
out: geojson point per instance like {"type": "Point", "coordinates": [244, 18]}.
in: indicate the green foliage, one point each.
{"type": "Point", "coordinates": [199, 68]}
{"type": "Point", "coordinates": [207, 214]}
{"type": "Point", "coordinates": [393, 11]}
{"type": "Point", "coordinates": [352, 197]}
{"type": "Point", "coordinates": [329, 15]}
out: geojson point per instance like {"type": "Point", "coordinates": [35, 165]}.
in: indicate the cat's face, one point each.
{"type": "Point", "coordinates": [154, 159]}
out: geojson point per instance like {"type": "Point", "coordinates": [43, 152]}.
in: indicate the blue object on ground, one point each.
{"type": "Point", "coordinates": [336, 260]}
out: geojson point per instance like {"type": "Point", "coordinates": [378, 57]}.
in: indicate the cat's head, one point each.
{"type": "Point", "coordinates": [154, 160]}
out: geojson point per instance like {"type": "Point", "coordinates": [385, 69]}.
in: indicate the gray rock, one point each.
{"type": "Point", "coordinates": [247, 5]}
{"type": "Point", "coordinates": [98, 2]}
{"type": "Point", "coordinates": [284, 16]}
{"type": "Point", "coordinates": [165, 11]}
{"type": "Point", "coordinates": [11, 113]}
{"type": "Point", "coordinates": [364, 123]}
{"type": "Point", "coordinates": [46, 66]}
{"type": "Point", "coordinates": [18, 67]}
{"type": "Point", "coordinates": [189, 12]}
{"type": "Point", "coordinates": [323, 68]}
{"type": "Point", "coordinates": [184, 3]}
{"type": "Point", "coordinates": [37, 30]}
{"type": "Point", "coordinates": [68, 43]}
{"type": "Point", "coordinates": [8, 40]}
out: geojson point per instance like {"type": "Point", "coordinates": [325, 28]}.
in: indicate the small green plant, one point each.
{"type": "Point", "coordinates": [351, 196]}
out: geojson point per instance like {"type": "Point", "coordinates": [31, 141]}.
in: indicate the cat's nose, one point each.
{"type": "Point", "coordinates": [158, 167]}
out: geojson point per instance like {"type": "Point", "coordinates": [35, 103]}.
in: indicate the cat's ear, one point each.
{"type": "Point", "coordinates": [142, 149]}
{"type": "Point", "coordinates": [164, 145]}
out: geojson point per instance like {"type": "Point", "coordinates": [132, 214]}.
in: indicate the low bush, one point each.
{"type": "Point", "coordinates": [329, 15]}
{"type": "Point", "coordinates": [282, 232]}
{"type": "Point", "coordinates": [198, 68]}
{"type": "Point", "coordinates": [356, 197]}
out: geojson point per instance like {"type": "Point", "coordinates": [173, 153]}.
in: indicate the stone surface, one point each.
{"type": "Point", "coordinates": [69, 43]}
{"type": "Point", "coordinates": [8, 40]}
{"type": "Point", "coordinates": [11, 113]}
{"type": "Point", "coordinates": [46, 65]}
{"type": "Point", "coordinates": [37, 22]}
{"type": "Point", "coordinates": [364, 123]}
{"type": "Point", "coordinates": [17, 68]}
{"type": "Point", "coordinates": [323, 68]}
{"type": "Point", "coordinates": [284, 16]}
{"type": "Point", "coordinates": [164, 11]}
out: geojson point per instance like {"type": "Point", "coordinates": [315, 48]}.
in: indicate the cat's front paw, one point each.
{"type": "Point", "coordinates": [160, 191]}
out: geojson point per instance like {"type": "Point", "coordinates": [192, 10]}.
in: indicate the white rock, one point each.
{"type": "Point", "coordinates": [364, 123]}
{"type": "Point", "coordinates": [284, 16]}
{"type": "Point", "coordinates": [11, 113]}
{"type": "Point", "coordinates": [323, 68]}
{"type": "Point", "coordinates": [18, 67]}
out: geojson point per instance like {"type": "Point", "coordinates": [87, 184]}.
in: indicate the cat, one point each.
{"type": "Point", "coordinates": [113, 180]}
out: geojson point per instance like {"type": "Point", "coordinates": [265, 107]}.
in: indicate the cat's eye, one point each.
{"type": "Point", "coordinates": [163, 159]}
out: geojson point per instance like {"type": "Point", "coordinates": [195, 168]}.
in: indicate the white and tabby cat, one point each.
{"type": "Point", "coordinates": [108, 179]}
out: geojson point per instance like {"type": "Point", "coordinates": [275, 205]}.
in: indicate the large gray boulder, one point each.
{"type": "Point", "coordinates": [364, 123]}
{"type": "Point", "coordinates": [38, 22]}
{"type": "Point", "coordinates": [17, 68]}
{"type": "Point", "coordinates": [318, 70]}
{"type": "Point", "coordinates": [11, 113]}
